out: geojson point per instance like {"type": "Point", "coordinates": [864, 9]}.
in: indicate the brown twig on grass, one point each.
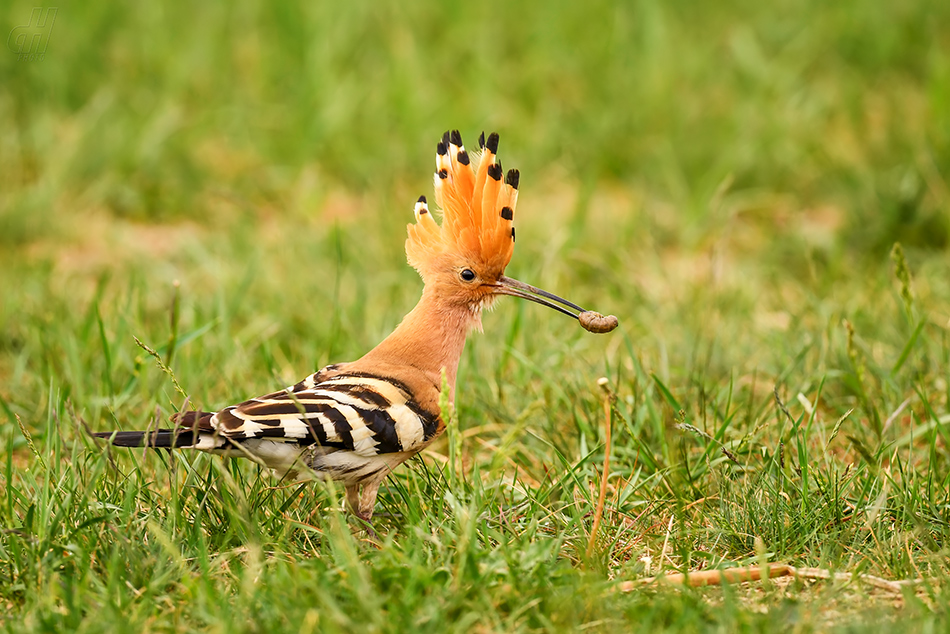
{"type": "Point", "coordinates": [598, 514]}
{"type": "Point", "coordinates": [767, 571]}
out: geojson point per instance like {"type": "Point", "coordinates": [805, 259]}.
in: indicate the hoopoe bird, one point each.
{"type": "Point", "coordinates": [356, 422]}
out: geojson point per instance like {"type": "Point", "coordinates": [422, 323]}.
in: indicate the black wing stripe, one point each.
{"type": "Point", "coordinates": [384, 430]}
{"type": "Point", "coordinates": [431, 425]}
{"type": "Point", "coordinates": [342, 426]}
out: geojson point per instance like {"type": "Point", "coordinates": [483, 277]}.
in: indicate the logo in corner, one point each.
{"type": "Point", "coordinates": [29, 41]}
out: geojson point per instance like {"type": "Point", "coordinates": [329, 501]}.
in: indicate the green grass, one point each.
{"type": "Point", "coordinates": [231, 186]}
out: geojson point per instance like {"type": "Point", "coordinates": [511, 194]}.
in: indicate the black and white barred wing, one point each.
{"type": "Point", "coordinates": [367, 415]}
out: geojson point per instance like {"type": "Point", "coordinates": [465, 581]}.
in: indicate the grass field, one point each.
{"type": "Point", "coordinates": [230, 184]}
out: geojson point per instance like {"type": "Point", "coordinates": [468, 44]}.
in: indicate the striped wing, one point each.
{"type": "Point", "coordinates": [368, 415]}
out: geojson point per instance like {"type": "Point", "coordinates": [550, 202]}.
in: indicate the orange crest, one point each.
{"type": "Point", "coordinates": [477, 211]}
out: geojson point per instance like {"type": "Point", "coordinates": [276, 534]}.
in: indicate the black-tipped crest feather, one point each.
{"type": "Point", "coordinates": [492, 143]}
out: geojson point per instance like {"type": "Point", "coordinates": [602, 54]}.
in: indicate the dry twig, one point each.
{"type": "Point", "coordinates": [768, 571]}
{"type": "Point", "coordinates": [598, 514]}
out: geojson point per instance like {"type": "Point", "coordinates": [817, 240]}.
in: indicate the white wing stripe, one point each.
{"type": "Point", "coordinates": [408, 426]}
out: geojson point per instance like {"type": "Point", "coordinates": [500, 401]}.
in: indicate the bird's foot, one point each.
{"type": "Point", "coordinates": [365, 522]}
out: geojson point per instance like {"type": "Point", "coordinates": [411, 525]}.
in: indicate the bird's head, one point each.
{"type": "Point", "coordinates": [464, 258]}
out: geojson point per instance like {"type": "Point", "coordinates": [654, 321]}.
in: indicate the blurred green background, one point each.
{"type": "Point", "coordinates": [728, 178]}
{"type": "Point", "coordinates": [152, 112]}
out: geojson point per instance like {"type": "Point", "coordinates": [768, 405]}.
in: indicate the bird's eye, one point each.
{"type": "Point", "coordinates": [467, 275]}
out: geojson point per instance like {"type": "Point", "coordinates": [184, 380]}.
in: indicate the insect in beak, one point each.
{"type": "Point", "coordinates": [589, 320]}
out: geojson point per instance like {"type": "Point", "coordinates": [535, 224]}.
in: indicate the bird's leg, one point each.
{"type": "Point", "coordinates": [368, 500]}
{"type": "Point", "coordinates": [361, 503]}
{"type": "Point", "coordinates": [353, 499]}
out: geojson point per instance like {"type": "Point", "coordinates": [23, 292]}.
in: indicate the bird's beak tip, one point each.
{"type": "Point", "coordinates": [591, 321]}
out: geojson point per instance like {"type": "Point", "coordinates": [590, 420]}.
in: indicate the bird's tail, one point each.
{"type": "Point", "coordinates": [187, 434]}
{"type": "Point", "coordinates": [159, 438]}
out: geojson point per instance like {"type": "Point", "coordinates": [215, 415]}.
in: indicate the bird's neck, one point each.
{"type": "Point", "coordinates": [430, 338]}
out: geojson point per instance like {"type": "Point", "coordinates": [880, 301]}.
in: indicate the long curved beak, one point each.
{"type": "Point", "coordinates": [510, 286]}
